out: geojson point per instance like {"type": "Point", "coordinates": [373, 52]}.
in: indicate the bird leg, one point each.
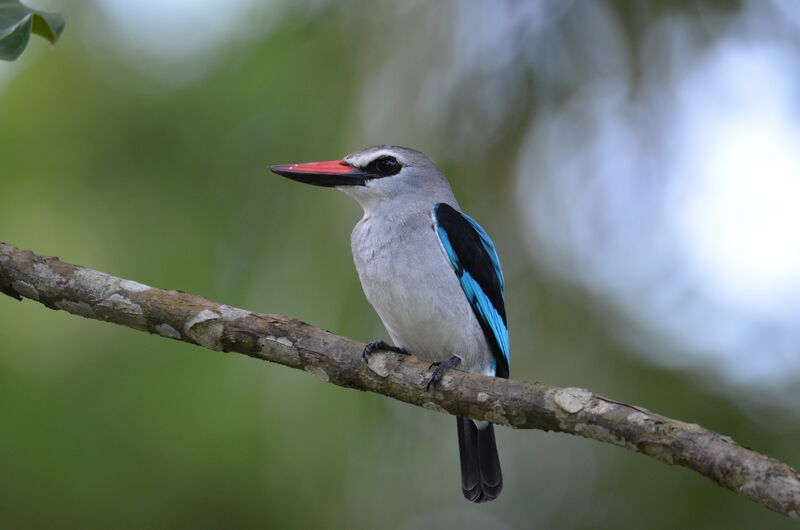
{"type": "Point", "coordinates": [441, 368]}
{"type": "Point", "coordinates": [378, 345]}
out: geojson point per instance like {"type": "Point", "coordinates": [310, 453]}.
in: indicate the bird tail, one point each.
{"type": "Point", "coordinates": [481, 478]}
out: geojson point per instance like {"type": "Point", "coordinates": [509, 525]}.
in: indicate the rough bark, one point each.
{"type": "Point", "coordinates": [334, 359]}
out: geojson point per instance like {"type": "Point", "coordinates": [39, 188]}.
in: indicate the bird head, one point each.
{"type": "Point", "coordinates": [375, 175]}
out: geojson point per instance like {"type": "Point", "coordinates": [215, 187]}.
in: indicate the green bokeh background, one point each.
{"type": "Point", "coordinates": [105, 427]}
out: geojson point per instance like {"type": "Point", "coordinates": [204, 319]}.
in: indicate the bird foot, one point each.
{"type": "Point", "coordinates": [379, 345]}
{"type": "Point", "coordinates": [441, 368]}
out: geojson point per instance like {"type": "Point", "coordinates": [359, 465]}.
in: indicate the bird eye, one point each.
{"type": "Point", "coordinates": [386, 166]}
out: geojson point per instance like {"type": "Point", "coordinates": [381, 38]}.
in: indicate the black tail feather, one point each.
{"type": "Point", "coordinates": [468, 451]}
{"type": "Point", "coordinates": [491, 475]}
{"type": "Point", "coordinates": [481, 478]}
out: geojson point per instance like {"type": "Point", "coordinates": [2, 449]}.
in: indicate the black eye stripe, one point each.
{"type": "Point", "coordinates": [384, 166]}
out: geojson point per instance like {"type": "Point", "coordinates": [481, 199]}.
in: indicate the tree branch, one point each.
{"type": "Point", "coordinates": [518, 404]}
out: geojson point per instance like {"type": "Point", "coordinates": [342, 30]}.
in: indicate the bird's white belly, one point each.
{"type": "Point", "coordinates": [416, 293]}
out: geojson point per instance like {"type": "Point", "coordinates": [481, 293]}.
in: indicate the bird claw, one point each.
{"type": "Point", "coordinates": [441, 368]}
{"type": "Point", "coordinates": [379, 345]}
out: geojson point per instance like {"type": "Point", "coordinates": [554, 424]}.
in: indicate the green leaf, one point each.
{"type": "Point", "coordinates": [17, 21]}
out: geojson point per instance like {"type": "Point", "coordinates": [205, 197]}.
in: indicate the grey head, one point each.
{"type": "Point", "coordinates": [382, 176]}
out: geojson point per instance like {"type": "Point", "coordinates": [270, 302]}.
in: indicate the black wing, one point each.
{"type": "Point", "coordinates": [475, 263]}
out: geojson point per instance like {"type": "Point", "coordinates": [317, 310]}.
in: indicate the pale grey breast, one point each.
{"type": "Point", "coordinates": [409, 281]}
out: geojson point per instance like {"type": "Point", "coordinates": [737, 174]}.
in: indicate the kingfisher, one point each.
{"type": "Point", "coordinates": [433, 276]}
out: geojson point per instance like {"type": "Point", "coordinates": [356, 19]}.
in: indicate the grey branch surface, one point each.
{"type": "Point", "coordinates": [334, 359]}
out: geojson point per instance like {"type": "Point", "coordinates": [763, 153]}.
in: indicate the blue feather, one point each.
{"type": "Point", "coordinates": [481, 303]}
{"type": "Point", "coordinates": [478, 298]}
{"type": "Point", "coordinates": [488, 244]}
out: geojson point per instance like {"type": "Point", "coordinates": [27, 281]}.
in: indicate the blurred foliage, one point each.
{"type": "Point", "coordinates": [17, 22]}
{"type": "Point", "coordinates": [107, 165]}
